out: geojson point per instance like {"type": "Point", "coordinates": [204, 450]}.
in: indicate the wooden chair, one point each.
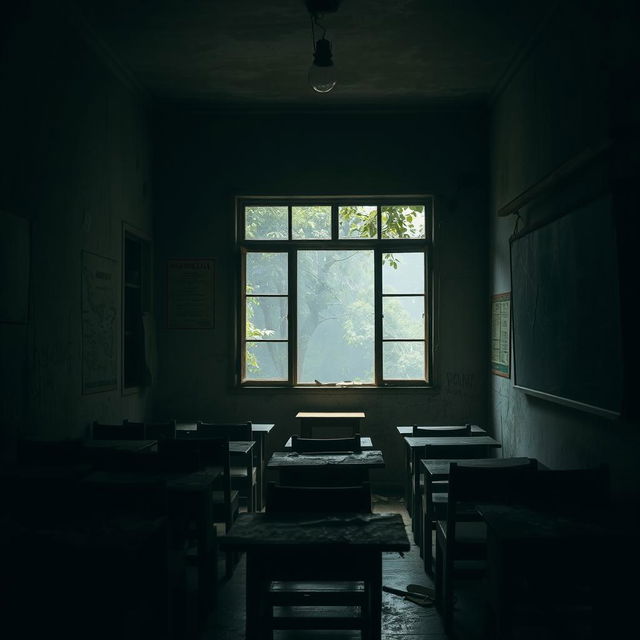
{"type": "Point", "coordinates": [194, 454]}
{"type": "Point", "coordinates": [434, 505]}
{"type": "Point", "coordinates": [324, 445]}
{"type": "Point", "coordinates": [244, 472]}
{"type": "Point", "coordinates": [570, 582]}
{"type": "Point", "coordinates": [415, 479]}
{"type": "Point", "coordinates": [124, 431]}
{"type": "Point", "coordinates": [462, 536]}
{"type": "Point", "coordinates": [325, 578]}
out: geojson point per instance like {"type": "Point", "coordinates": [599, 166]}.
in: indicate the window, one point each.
{"type": "Point", "coordinates": [335, 291]}
{"type": "Point", "coordinates": [136, 303]}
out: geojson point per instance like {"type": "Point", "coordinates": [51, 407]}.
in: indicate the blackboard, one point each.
{"type": "Point", "coordinates": [566, 310]}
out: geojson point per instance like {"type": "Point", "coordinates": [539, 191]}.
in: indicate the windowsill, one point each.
{"type": "Point", "coordinates": [324, 388]}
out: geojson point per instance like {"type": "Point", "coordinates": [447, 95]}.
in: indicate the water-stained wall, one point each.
{"type": "Point", "coordinates": [568, 95]}
{"type": "Point", "coordinates": [74, 163]}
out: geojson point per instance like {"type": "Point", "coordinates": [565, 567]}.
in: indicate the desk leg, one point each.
{"type": "Point", "coordinates": [207, 562]}
{"type": "Point", "coordinates": [376, 597]}
{"type": "Point", "coordinates": [407, 476]}
{"type": "Point", "coordinates": [260, 443]}
{"type": "Point", "coordinates": [417, 507]}
{"type": "Point", "coordinates": [257, 624]}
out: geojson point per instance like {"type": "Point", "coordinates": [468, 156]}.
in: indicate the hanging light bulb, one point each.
{"type": "Point", "coordinates": [322, 72]}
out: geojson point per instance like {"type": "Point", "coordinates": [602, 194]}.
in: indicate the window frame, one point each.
{"type": "Point", "coordinates": [379, 246]}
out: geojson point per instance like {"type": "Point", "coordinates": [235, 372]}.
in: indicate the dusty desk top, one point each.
{"type": "Point", "coordinates": [383, 532]}
{"type": "Point", "coordinates": [439, 469]}
{"type": "Point", "coordinates": [408, 430]}
{"type": "Point", "coordinates": [257, 427]}
{"type": "Point", "coordinates": [324, 415]}
{"type": "Point", "coordinates": [292, 460]}
{"type": "Point", "coordinates": [522, 523]}
{"type": "Point", "coordinates": [365, 443]}
{"type": "Point", "coordinates": [121, 445]}
{"type": "Point", "coordinates": [452, 441]}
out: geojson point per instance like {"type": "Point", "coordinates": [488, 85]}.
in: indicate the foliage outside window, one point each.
{"type": "Point", "coordinates": [335, 291]}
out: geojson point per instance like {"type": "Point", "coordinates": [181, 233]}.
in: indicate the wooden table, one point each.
{"type": "Point", "coordinates": [189, 501]}
{"type": "Point", "coordinates": [365, 443]}
{"type": "Point", "coordinates": [546, 549]}
{"type": "Point", "coordinates": [329, 419]}
{"type": "Point", "coordinates": [437, 471]}
{"type": "Point", "coordinates": [440, 447]}
{"type": "Point", "coordinates": [124, 446]}
{"type": "Point", "coordinates": [317, 469]}
{"type": "Point", "coordinates": [313, 546]}
{"type": "Point", "coordinates": [407, 430]}
{"type": "Point", "coordinates": [260, 432]}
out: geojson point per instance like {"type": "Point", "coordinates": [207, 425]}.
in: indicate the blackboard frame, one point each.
{"type": "Point", "coordinates": [553, 294]}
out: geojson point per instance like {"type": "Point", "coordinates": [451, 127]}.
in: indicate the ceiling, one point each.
{"type": "Point", "coordinates": [256, 53]}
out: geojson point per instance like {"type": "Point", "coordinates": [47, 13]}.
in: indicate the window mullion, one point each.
{"type": "Point", "coordinates": [292, 319]}
{"type": "Point", "coordinates": [377, 295]}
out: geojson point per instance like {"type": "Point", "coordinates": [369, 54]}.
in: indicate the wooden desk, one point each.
{"type": "Point", "coordinates": [124, 446]}
{"type": "Point", "coordinates": [438, 471]}
{"type": "Point", "coordinates": [553, 552]}
{"type": "Point", "coordinates": [314, 546]}
{"type": "Point", "coordinates": [188, 501]}
{"type": "Point", "coordinates": [260, 432]}
{"type": "Point", "coordinates": [317, 469]}
{"type": "Point", "coordinates": [309, 420]}
{"type": "Point", "coordinates": [439, 447]}
{"type": "Point", "coordinates": [365, 443]}
{"type": "Point", "coordinates": [407, 430]}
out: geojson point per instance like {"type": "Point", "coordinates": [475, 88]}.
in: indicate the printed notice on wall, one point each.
{"type": "Point", "coordinates": [501, 334]}
{"type": "Point", "coordinates": [99, 327]}
{"type": "Point", "coordinates": [190, 289]}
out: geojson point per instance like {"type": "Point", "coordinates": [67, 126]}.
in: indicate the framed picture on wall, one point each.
{"type": "Point", "coordinates": [190, 293]}
{"type": "Point", "coordinates": [501, 334]}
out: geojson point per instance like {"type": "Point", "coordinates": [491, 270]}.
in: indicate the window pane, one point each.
{"type": "Point", "coordinates": [266, 318]}
{"type": "Point", "coordinates": [267, 273]}
{"type": "Point", "coordinates": [403, 221]}
{"type": "Point", "coordinates": [266, 360]}
{"type": "Point", "coordinates": [403, 317]}
{"type": "Point", "coordinates": [403, 273]}
{"type": "Point", "coordinates": [266, 223]}
{"type": "Point", "coordinates": [335, 316]}
{"type": "Point", "coordinates": [311, 223]}
{"type": "Point", "coordinates": [357, 222]}
{"type": "Point", "coordinates": [403, 360]}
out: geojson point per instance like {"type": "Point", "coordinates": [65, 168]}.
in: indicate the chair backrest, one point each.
{"type": "Point", "coordinates": [468, 484]}
{"type": "Point", "coordinates": [160, 430]}
{"type": "Point", "coordinates": [230, 430]}
{"type": "Point", "coordinates": [320, 445]}
{"type": "Point", "coordinates": [285, 499]}
{"type": "Point", "coordinates": [124, 431]}
{"type": "Point", "coordinates": [566, 489]}
{"type": "Point", "coordinates": [444, 432]}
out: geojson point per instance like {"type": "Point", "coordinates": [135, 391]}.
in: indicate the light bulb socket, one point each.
{"type": "Point", "coordinates": [322, 53]}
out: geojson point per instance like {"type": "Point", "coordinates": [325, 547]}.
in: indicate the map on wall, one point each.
{"type": "Point", "coordinates": [501, 334]}
{"type": "Point", "coordinates": [99, 328]}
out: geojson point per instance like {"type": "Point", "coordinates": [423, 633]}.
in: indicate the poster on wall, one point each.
{"type": "Point", "coordinates": [501, 334]}
{"type": "Point", "coordinates": [14, 268]}
{"type": "Point", "coordinates": [99, 326]}
{"type": "Point", "coordinates": [190, 293]}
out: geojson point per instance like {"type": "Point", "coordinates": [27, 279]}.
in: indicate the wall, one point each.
{"type": "Point", "coordinates": [74, 162]}
{"type": "Point", "coordinates": [562, 100]}
{"type": "Point", "coordinates": [204, 160]}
